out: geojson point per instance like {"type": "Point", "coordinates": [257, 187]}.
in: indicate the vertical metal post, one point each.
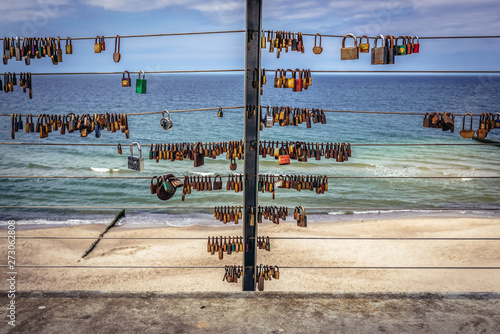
{"type": "Point", "coordinates": [252, 123]}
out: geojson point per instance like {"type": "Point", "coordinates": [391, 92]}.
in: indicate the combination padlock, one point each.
{"type": "Point", "coordinates": [166, 123]}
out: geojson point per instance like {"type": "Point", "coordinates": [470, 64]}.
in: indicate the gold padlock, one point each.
{"type": "Point", "coordinates": [97, 45]}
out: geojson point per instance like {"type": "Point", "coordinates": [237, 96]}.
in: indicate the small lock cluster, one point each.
{"type": "Point", "coordinates": [391, 47]}
{"type": "Point", "coordinates": [269, 182]}
{"type": "Point", "coordinates": [283, 40]}
{"type": "Point", "coordinates": [300, 216]}
{"type": "Point", "coordinates": [232, 273]}
{"type": "Point", "coordinates": [141, 84]}
{"type": "Point", "coordinates": [289, 116]}
{"type": "Point", "coordinates": [444, 121]}
{"type": "Point", "coordinates": [298, 80]}
{"type": "Point", "coordinates": [264, 243]}
{"type": "Point", "coordinates": [272, 213]}
{"type": "Point", "coordinates": [100, 45]}
{"type": "Point", "coordinates": [265, 273]}
{"type": "Point", "coordinates": [487, 122]}
{"type": "Point", "coordinates": [10, 80]}
{"type": "Point", "coordinates": [228, 245]}
{"type": "Point", "coordinates": [301, 151]}
{"type": "Point", "coordinates": [165, 186]}
{"type": "Point", "coordinates": [34, 47]}
{"type": "Point", "coordinates": [228, 214]}
{"type": "Point", "coordinates": [197, 152]}
{"type": "Point", "coordinates": [85, 124]}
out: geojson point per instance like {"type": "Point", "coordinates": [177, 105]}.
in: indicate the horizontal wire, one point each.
{"type": "Point", "coordinates": [212, 207]}
{"type": "Point", "coordinates": [268, 70]}
{"type": "Point", "coordinates": [136, 72]}
{"type": "Point", "coordinates": [154, 35]}
{"type": "Point", "coordinates": [272, 238]}
{"type": "Point", "coordinates": [220, 267]}
{"type": "Point", "coordinates": [227, 176]}
{"type": "Point", "coordinates": [352, 144]}
{"type": "Point", "coordinates": [425, 37]}
{"type": "Point", "coordinates": [160, 112]}
{"type": "Point", "coordinates": [396, 268]}
{"type": "Point", "coordinates": [121, 267]}
{"type": "Point", "coordinates": [265, 31]}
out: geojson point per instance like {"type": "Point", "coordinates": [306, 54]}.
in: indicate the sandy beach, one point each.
{"type": "Point", "coordinates": [284, 253]}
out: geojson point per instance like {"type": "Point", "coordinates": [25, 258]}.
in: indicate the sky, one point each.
{"type": "Point", "coordinates": [87, 18]}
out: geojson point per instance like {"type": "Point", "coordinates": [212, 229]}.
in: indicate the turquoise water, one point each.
{"type": "Point", "coordinates": [397, 93]}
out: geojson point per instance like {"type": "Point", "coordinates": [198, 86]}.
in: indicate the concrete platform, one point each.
{"type": "Point", "coordinates": [264, 312]}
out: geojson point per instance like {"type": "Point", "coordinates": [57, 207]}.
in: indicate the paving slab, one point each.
{"type": "Point", "coordinates": [253, 312]}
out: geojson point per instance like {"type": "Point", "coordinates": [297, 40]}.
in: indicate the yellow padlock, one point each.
{"type": "Point", "coordinates": [97, 45]}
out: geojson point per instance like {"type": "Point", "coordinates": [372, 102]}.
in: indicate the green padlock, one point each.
{"type": "Point", "coordinates": [141, 84]}
{"type": "Point", "coordinates": [401, 49]}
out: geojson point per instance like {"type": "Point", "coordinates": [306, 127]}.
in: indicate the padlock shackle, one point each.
{"type": "Point", "coordinates": [361, 39]}
{"type": "Point", "coordinates": [168, 114]}
{"type": "Point", "coordinates": [382, 37]}
{"type": "Point", "coordinates": [315, 36]}
{"type": "Point", "coordinates": [143, 74]}
{"type": "Point", "coordinates": [391, 39]}
{"type": "Point", "coordinates": [132, 149]}
{"type": "Point", "coordinates": [413, 39]}
{"type": "Point", "coordinates": [352, 36]}
{"type": "Point", "coordinates": [128, 74]}
{"type": "Point", "coordinates": [117, 42]}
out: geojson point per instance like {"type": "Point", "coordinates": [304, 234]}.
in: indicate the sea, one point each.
{"type": "Point", "coordinates": [347, 199]}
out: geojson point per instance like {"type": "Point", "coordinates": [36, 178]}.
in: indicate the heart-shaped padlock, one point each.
{"type": "Point", "coordinates": [166, 123]}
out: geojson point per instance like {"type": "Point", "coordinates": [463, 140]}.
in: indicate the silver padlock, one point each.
{"type": "Point", "coordinates": [269, 118]}
{"type": "Point", "coordinates": [18, 49]}
{"type": "Point", "coordinates": [135, 163]}
{"type": "Point", "coordinates": [166, 123]}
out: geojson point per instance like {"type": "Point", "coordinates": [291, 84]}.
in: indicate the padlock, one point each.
{"type": "Point", "coordinates": [317, 49]}
{"type": "Point", "coordinates": [401, 48]}
{"type": "Point", "coordinates": [116, 54]}
{"type": "Point", "coordinates": [69, 46]}
{"type": "Point", "coordinates": [6, 50]}
{"type": "Point", "coordinates": [103, 43]}
{"type": "Point", "coordinates": [97, 45]}
{"type": "Point", "coordinates": [284, 159]}
{"type": "Point", "coordinates": [349, 53]}
{"type": "Point", "coordinates": [269, 118]}
{"type": "Point", "coordinates": [199, 156]}
{"type": "Point", "coordinates": [391, 51]}
{"type": "Point", "coordinates": [416, 46]}
{"type": "Point", "coordinates": [495, 121]}
{"type": "Point", "coordinates": [166, 123]}
{"type": "Point", "coordinates": [277, 79]}
{"type": "Point", "coordinates": [263, 40]}
{"type": "Point", "coordinates": [364, 47]}
{"type": "Point", "coordinates": [166, 187]}
{"type": "Point", "coordinates": [17, 49]}
{"type": "Point", "coordinates": [220, 113]}
{"type": "Point", "coordinates": [409, 45]}
{"type": "Point", "coordinates": [135, 163]}
{"type": "Point", "coordinates": [59, 50]}
{"type": "Point", "coordinates": [71, 122]}
{"type": "Point", "coordinates": [298, 81]}
{"type": "Point", "coordinates": [482, 132]}
{"type": "Point", "coordinates": [379, 54]}
{"type": "Point", "coordinates": [263, 77]}
{"type": "Point", "coordinates": [302, 217]}
{"type": "Point", "coordinates": [217, 184]}
{"type": "Point", "coordinates": [140, 84]}
{"type": "Point", "coordinates": [126, 80]}
{"type": "Point", "coordinates": [289, 82]}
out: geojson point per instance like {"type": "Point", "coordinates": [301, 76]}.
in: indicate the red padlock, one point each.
{"type": "Point", "coordinates": [416, 46]}
{"type": "Point", "coordinates": [284, 159]}
{"type": "Point", "coordinates": [298, 82]}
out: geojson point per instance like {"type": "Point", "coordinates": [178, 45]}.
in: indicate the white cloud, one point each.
{"type": "Point", "coordinates": [32, 10]}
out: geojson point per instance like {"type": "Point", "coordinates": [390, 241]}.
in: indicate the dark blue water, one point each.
{"type": "Point", "coordinates": [394, 93]}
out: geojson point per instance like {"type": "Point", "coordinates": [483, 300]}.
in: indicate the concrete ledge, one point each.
{"type": "Point", "coordinates": [84, 312]}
